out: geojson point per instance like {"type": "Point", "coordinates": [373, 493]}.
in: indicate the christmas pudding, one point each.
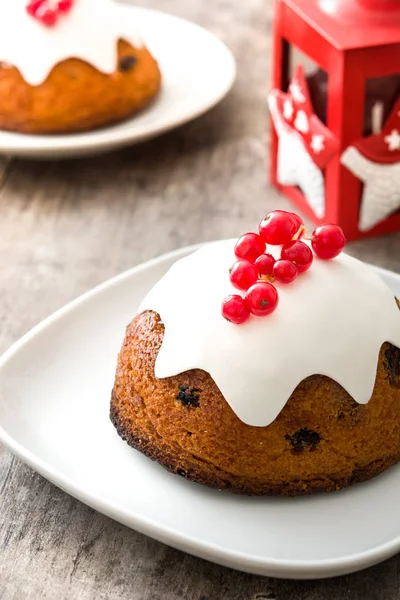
{"type": "Point", "coordinates": [295, 391]}
{"type": "Point", "coordinates": [71, 65]}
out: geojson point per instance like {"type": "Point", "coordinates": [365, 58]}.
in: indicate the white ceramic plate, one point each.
{"type": "Point", "coordinates": [198, 71]}
{"type": "Point", "coordinates": [55, 388]}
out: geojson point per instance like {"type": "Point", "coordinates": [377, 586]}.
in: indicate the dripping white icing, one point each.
{"type": "Point", "coordinates": [331, 321]}
{"type": "Point", "coordinates": [90, 32]}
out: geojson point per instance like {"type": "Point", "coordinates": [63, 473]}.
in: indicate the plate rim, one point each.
{"type": "Point", "coordinates": [82, 143]}
{"type": "Point", "coordinates": [281, 568]}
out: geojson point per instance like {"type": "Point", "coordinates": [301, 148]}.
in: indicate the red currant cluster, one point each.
{"type": "Point", "coordinates": [48, 11]}
{"type": "Point", "coordinates": [255, 270]}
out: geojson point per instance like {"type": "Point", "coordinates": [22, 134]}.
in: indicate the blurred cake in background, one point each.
{"type": "Point", "coordinates": [71, 65]}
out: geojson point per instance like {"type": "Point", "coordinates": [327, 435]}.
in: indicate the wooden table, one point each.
{"type": "Point", "coordinates": [66, 226]}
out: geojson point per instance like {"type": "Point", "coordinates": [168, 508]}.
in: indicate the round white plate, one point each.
{"type": "Point", "coordinates": [198, 71]}
{"type": "Point", "coordinates": [55, 386]}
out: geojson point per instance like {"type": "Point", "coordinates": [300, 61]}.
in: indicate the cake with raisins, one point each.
{"type": "Point", "coordinates": [306, 399]}
{"type": "Point", "coordinates": [71, 65]}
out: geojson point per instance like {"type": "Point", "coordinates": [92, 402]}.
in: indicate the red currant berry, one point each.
{"type": "Point", "coordinates": [64, 5]}
{"type": "Point", "coordinates": [298, 220]}
{"type": "Point", "coordinates": [328, 241]}
{"type": "Point", "coordinates": [285, 271]}
{"type": "Point", "coordinates": [278, 227]}
{"type": "Point", "coordinates": [298, 253]}
{"type": "Point", "coordinates": [300, 227]}
{"type": "Point", "coordinates": [234, 309]}
{"type": "Point", "coordinates": [261, 299]}
{"type": "Point", "coordinates": [249, 247]}
{"type": "Point", "coordinates": [265, 264]}
{"type": "Point", "coordinates": [243, 274]}
{"type": "Point", "coordinates": [33, 6]}
{"type": "Point", "coordinates": [47, 16]}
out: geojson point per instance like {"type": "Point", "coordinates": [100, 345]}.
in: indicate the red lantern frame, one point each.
{"type": "Point", "coordinates": [353, 43]}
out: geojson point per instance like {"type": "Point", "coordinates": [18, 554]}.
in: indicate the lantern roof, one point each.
{"type": "Point", "coordinates": [351, 24]}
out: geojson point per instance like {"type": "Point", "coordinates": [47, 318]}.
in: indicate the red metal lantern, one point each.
{"type": "Point", "coordinates": [325, 154]}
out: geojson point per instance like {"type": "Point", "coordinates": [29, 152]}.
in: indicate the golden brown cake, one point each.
{"type": "Point", "coordinates": [321, 441]}
{"type": "Point", "coordinates": [255, 438]}
{"type": "Point", "coordinates": [67, 86]}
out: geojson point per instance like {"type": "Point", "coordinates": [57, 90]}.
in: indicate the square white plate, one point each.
{"type": "Point", "coordinates": [55, 386]}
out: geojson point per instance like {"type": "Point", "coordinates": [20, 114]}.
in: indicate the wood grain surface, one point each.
{"type": "Point", "coordinates": [66, 226]}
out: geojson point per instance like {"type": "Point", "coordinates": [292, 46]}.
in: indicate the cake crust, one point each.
{"type": "Point", "coordinates": [76, 96]}
{"type": "Point", "coordinates": [321, 441]}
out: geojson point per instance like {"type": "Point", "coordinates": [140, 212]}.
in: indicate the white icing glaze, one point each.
{"type": "Point", "coordinates": [90, 32]}
{"type": "Point", "coordinates": [331, 321]}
